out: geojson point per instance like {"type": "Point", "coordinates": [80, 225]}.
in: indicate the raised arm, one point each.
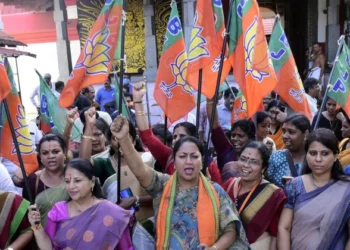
{"type": "Point", "coordinates": [71, 117]}
{"type": "Point", "coordinates": [86, 140]}
{"type": "Point", "coordinates": [138, 93]}
{"type": "Point", "coordinates": [284, 229]}
{"type": "Point", "coordinates": [210, 106]}
{"type": "Point", "coordinates": [143, 173]}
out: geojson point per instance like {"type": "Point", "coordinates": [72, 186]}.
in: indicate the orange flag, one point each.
{"type": "Point", "coordinates": [5, 86]}
{"type": "Point", "coordinates": [206, 45]}
{"type": "Point", "coordinates": [290, 87]}
{"type": "Point", "coordinates": [25, 143]}
{"type": "Point", "coordinates": [249, 54]}
{"type": "Point", "coordinates": [171, 91]}
{"type": "Point", "coordinates": [239, 110]}
{"type": "Point", "coordinates": [97, 55]}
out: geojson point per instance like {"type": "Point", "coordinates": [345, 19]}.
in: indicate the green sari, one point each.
{"type": "Point", "coordinates": [13, 221]}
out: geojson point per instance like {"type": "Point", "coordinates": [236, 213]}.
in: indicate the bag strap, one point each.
{"type": "Point", "coordinates": [292, 168]}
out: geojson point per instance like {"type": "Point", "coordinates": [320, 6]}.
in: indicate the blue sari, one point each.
{"type": "Point", "coordinates": [320, 216]}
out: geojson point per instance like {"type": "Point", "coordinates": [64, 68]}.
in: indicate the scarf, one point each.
{"type": "Point", "coordinates": [344, 155]}
{"type": "Point", "coordinates": [277, 138]}
{"type": "Point", "coordinates": [207, 216]}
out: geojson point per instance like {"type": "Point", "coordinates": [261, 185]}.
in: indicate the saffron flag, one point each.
{"type": "Point", "coordinates": [340, 80]}
{"type": "Point", "coordinates": [171, 90]}
{"type": "Point", "coordinates": [97, 55]}
{"type": "Point", "coordinates": [5, 86]}
{"type": "Point", "coordinates": [206, 45]}
{"type": "Point", "coordinates": [289, 87]}
{"type": "Point", "coordinates": [8, 149]}
{"type": "Point", "coordinates": [249, 55]}
{"type": "Point", "coordinates": [51, 113]}
{"type": "Point", "coordinates": [239, 111]}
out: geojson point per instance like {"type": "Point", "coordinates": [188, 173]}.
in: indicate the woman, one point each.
{"type": "Point", "coordinates": [263, 121]}
{"type": "Point", "coordinates": [277, 111]}
{"type": "Point", "coordinates": [317, 212]}
{"type": "Point", "coordinates": [106, 168]}
{"type": "Point", "coordinates": [86, 221]}
{"type": "Point", "coordinates": [161, 152]}
{"type": "Point", "coordinates": [15, 230]}
{"type": "Point", "coordinates": [344, 145]}
{"type": "Point", "coordinates": [288, 162]}
{"type": "Point", "coordinates": [250, 192]}
{"type": "Point", "coordinates": [242, 132]}
{"type": "Point", "coordinates": [330, 119]}
{"type": "Point", "coordinates": [47, 184]}
{"type": "Point", "coordinates": [190, 211]}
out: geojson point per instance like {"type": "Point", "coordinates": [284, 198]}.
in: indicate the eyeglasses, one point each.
{"type": "Point", "coordinates": [250, 162]}
{"type": "Point", "coordinates": [97, 135]}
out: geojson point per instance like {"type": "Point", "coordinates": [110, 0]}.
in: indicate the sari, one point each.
{"type": "Point", "coordinates": [320, 216]}
{"type": "Point", "coordinates": [344, 155]}
{"type": "Point", "coordinates": [261, 213]}
{"type": "Point", "coordinates": [13, 220]}
{"type": "Point", "coordinates": [277, 138]}
{"type": "Point", "coordinates": [102, 226]}
{"type": "Point", "coordinates": [184, 229]}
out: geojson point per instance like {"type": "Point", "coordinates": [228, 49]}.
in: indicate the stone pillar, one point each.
{"type": "Point", "coordinates": [150, 40]}
{"type": "Point", "coordinates": [188, 9]}
{"type": "Point", "coordinates": [333, 28]}
{"type": "Point", "coordinates": [62, 44]}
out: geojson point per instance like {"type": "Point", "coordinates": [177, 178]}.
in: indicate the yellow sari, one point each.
{"type": "Point", "coordinates": [344, 155]}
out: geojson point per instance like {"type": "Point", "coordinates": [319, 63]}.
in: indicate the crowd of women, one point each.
{"type": "Point", "coordinates": [276, 184]}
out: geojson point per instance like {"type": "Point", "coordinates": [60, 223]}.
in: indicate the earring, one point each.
{"type": "Point", "coordinates": [92, 188]}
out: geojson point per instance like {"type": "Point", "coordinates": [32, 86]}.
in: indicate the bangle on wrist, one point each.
{"type": "Point", "coordinates": [36, 227]}
{"type": "Point", "coordinates": [215, 247]}
{"type": "Point", "coordinates": [88, 137]}
{"type": "Point", "coordinates": [140, 113]}
{"type": "Point", "coordinates": [139, 102]}
{"type": "Point", "coordinates": [137, 202]}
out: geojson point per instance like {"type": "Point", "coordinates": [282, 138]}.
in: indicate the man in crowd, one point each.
{"type": "Point", "coordinates": [59, 86]}
{"type": "Point", "coordinates": [36, 92]}
{"type": "Point", "coordinates": [105, 94]}
{"type": "Point", "coordinates": [312, 89]}
{"type": "Point", "coordinates": [269, 98]}
{"type": "Point", "coordinates": [225, 109]}
{"type": "Point", "coordinates": [89, 92]}
{"type": "Point", "coordinates": [319, 62]}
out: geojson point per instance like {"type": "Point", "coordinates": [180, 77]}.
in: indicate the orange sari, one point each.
{"type": "Point", "coordinates": [344, 155]}
{"type": "Point", "coordinates": [277, 138]}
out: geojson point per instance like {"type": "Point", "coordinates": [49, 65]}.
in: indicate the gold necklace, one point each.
{"type": "Point", "coordinates": [56, 194]}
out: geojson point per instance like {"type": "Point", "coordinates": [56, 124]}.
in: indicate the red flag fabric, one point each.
{"type": "Point", "coordinates": [5, 86]}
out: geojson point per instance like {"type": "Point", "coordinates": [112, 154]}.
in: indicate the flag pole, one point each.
{"type": "Point", "coordinates": [147, 100]}
{"type": "Point", "coordinates": [340, 46]}
{"type": "Point", "coordinates": [232, 93]}
{"type": "Point", "coordinates": [120, 106]}
{"type": "Point", "coordinates": [199, 95]}
{"type": "Point", "coordinates": [165, 127]}
{"type": "Point", "coordinates": [18, 152]}
{"type": "Point", "coordinates": [222, 57]}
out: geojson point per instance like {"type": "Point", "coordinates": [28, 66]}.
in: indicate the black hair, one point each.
{"type": "Point", "coordinates": [51, 137]}
{"type": "Point", "coordinates": [273, 94]}
{"type": "Point", "coordinates": [345, 115]}
{"type": "Point", "coordinates": [158, 130]}
{"type": "Point", "coordinates": [328, 139]}
{"type": "Point", "coordinates": [246, 126]}
{"type": "Point", "coordinates": [317, 43]}
{"type": "Point", "coordinates": [59, 85]}
{"type": "Point", "coordinates": [85, 167]}
{"type": "Point", "coordinates": [86, 90]}
{"type": "Point", "coordinates": [276, 103]}
{"type": "Point", "coordinates": [132, 132]}
{"type": "Point", "coordinates": [263, 150]}
{"type": "Point", "coordinates": [228, 92]}
{"type": "Point", "coordinates": [189, 127]}
{"type": "Point", "coordinates": [82, 103]}
{"type": "Point", "coordinates": [300, 121]}
{"type": "Point", "coordinates": [309, 83]}
{"type": "Point", "coordinates": [190, 139]}
{"type": "Point", "coordinates": [82, 115]}
{"type": "Point", "coordinates": [261, 116]}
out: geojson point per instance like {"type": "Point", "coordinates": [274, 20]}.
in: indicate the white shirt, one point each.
{"type": "Point", "coordinates": [35, 133]}
{"type": "Point", "coordinates": [6, 183]}
{"type": "Point", "coordinates": [312, 104]}
{"type": "Point", "coordinates": [36, 93]}
{"type": "Point", "coordinates": [224, 117]}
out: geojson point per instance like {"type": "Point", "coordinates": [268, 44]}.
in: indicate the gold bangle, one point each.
{"type": "Point", "coordinates": [214, 246]}
{"type": "Point", "coordinates": [140, 113]}
{"type": "Point", "coordinates": [36, 227]}
{"type": "Point", "coordinates": [88, 137]}
{"type": "Point", "coordinates": [211, 102]}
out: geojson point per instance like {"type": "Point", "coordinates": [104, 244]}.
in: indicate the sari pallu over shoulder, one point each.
{"type": "Point", "coordinates": [99, 227]}
{"type": "Point", "coordinates": [321, 217]}
{"type": "Point", "coordinates": [262, 210]}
